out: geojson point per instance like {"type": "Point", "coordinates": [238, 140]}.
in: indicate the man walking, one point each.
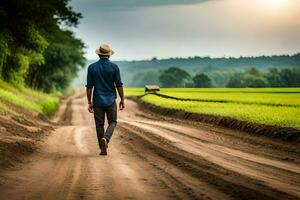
{"type": "Point", "coordinates": [103, 78]}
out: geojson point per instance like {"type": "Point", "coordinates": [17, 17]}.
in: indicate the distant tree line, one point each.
{"type": "Point", "coordinates": [36, 47]}
{"type": "Point", "coordinates": [289, 77]}
{"type": "Point", "coordinates": [232, 62]}
{"type": "Point", "coordinates": [219, 70]}
{"type": "Point", "coordinates": [174, 77]}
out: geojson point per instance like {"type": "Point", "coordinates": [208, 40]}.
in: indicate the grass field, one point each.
{"type": "Point", "coordinates": [27, 98]}
{"type": "Point", "coordinates": [264, 106]}
{"type": "Point", "coordinates": [284, 97]}
{"type": "Point", "coordinates": [132, 92]}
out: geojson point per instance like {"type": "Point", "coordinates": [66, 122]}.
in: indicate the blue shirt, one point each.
{"type": "Point", "coordinates": [104, 77]}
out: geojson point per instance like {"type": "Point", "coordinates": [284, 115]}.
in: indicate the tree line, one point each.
{"type": "Point", "coordinates": [37, 48]}
{"type": "Point", "coordinates": [218, 69]}
{"type": "Point", "coordinates": [175, 77]}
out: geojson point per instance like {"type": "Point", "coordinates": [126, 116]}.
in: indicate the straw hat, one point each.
{"type": "Point", "coordinates": [104, 50]}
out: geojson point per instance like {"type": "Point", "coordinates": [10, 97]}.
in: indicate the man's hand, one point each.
{"type": "Point", "coordinates": [121, 105]}
{"type": "Point", "coordinates": [121, 94]}
{"type": "Point", "coordinates": [89, 92]}
{"type": "Point", "coordinates": [91, 108]}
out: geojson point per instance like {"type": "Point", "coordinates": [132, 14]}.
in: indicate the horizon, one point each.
{"type": "Point", "coordinates": [211, 57]}
{"type": "Point", "coordinates": [140, 30]}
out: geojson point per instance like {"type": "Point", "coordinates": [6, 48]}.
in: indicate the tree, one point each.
{"type": "Point", "coordinates": [253, 71]}
{"type": "Point", "coordinates": [220, 78]}
{"type": "Point", "coordinates": [290, 77]}
{"type": "Point", "coordinates": [25, 28]}
{"type": "Point", "coordinates": [173, 77]}
{"type": "Point", "coordinates": [235, 81]}
{"type": "Point", "coordinates": [252, 81]}
{"type": "Point", "coordinates": [141, 79]}
{"type": "Point", "coordinates": [63, 58]}
{"type": "Point", "coordinates": [273, 78]}
{"type": "Point", "coordinates": [202, 81]}
{"type": "Point", "coordinates": [168, 80]}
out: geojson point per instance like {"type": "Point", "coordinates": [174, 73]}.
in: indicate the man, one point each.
{"type": "Point", "coordinates": [103, 78]}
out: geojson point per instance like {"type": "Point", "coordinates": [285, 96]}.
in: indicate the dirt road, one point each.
{"type": "Point", "coordinates": [151, 157]}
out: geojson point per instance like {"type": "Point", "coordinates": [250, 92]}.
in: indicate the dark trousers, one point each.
{"type": "Point", "coordinates": [99, 115]}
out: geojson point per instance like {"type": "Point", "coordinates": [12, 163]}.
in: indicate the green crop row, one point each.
{"type": "Point", "coordinates": [134, 92]}
{"type": "Point", "coordinates": [231, 90]}
{"type": "Point", "coordinates": [272, 106]}
{"type": "Point", "coordinates": [284, 99]}
{"type": "Point", "coordinates": [262, 114]}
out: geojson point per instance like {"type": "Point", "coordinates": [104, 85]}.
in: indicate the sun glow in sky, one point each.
{"type": "Point", "coordinates": [142, 29]}
{"type": "Point", "coordinates": [276, 3]}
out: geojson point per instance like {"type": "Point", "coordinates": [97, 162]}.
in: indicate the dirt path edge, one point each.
{"type": "Point", "coordinates": [282, 133]}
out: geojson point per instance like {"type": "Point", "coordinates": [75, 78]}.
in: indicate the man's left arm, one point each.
{"type": "Point", "coordinates": [121, 94]}
{"type": "Point", "coordinates": [119, 86]}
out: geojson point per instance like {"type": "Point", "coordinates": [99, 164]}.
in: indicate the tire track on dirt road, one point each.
{"type": "Point", "coordinates": [208, 146]}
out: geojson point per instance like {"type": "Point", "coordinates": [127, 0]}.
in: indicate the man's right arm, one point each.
{"type": "Point", "coordinates": [89, 90]}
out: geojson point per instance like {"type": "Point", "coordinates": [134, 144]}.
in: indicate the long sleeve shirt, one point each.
{"type": "Point", "coordinates": [104, 76]}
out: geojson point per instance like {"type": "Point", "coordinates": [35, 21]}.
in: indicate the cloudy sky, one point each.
{"type": "Point", "coordinates": [142, 29]}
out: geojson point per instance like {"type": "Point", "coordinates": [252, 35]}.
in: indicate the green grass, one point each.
{"type": "Point", "coordinates": [232, 90]}
{"type": "Point", "coordinates": [271, 106]}
{"type": "Point", "coordinates": [28, 99]}
{"type": "Point", "coordinates": [277, 96]}
{"type": "Point", "coordinates": [131, 92]}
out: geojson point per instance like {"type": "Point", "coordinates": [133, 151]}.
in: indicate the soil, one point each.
{"type": "Point", "coordinates": [152, 156]}
{"type": "Point", "coordinates": [20, 135]}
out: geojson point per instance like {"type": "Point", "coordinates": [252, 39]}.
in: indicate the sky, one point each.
{"type": "Point", "coordinates": [143, 29]}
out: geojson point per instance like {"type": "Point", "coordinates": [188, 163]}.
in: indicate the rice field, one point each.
{"type": "Point", "coordinates": [276, 97]}
{"type": "Point", "coordinates": [132, 92]}
{"type": "Point", "coordinates": [280, 106]}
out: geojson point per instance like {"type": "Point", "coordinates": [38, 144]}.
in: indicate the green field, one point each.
{"type": "Point", "coordinates": [278, 106]}
{"type": "Point", "coordinates": [276, 97]}
{"type": "Point", "coordinates": [132, 92]}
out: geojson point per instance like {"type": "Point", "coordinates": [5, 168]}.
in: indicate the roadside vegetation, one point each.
{"type": "Point", "coordinates": [28, 99]}
{"type": "Point", "coordinates": [279, 106]}
{"type": "Point", "coordinates": [39, 57]}
{"type": "Point", "coordinates": [39, 54]}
